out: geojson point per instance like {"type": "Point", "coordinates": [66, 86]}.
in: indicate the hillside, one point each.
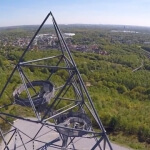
{"type": "Point", "coordinates": [115, 66]}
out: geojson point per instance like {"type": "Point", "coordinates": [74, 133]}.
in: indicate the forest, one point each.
{"type": "Point", "coordinates": [118, 81]}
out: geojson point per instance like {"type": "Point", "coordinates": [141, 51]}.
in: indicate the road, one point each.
{"type": "Point", "coordinates": [27, 131]}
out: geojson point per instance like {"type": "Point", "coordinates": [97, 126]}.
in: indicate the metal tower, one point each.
{"type": "Point", "coordinates": [61, 114]}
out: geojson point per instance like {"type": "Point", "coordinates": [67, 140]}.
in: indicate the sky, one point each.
{"type": "Point", "coordinates": [117, 12]}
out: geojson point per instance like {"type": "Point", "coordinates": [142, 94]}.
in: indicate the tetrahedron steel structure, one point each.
{"type": "Point", "coordinates": [61, 114]}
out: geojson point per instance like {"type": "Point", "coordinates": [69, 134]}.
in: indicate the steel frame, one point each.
{"type": "Point", "coordinates": [81, 101]}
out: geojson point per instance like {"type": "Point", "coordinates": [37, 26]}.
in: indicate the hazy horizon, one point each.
{"type": "Point", "coordinates": [82, 24]}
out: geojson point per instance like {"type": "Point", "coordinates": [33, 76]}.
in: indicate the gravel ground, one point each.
{"type": "Point", "coordinates": [29, 130]}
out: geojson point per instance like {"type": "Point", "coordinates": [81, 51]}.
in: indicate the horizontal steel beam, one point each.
{"type": "Point", "coordinates": [45, 66]}
{"type": "Point", "coordinates": [37, 60]}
